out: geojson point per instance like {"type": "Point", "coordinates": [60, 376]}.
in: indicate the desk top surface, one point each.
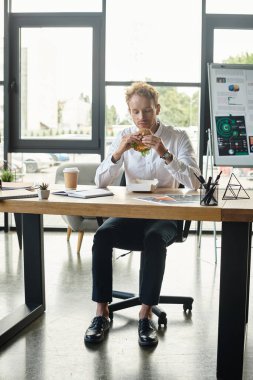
{"type": "Point", "coordinates": [125, 204]}
{"type": "Point", "coordinates": [238, 209]}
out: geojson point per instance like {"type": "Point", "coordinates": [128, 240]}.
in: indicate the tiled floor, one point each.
{"type": "Point", "coordinates": [53, 348]}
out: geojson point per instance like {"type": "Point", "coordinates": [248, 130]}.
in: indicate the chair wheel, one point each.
{"type": "Point", "coordinates": [187, 307]}
{"type": "Point", "coordinates": [162, 320]}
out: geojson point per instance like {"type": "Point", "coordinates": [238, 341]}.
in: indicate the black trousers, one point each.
{"type": "Point", "coordinates": [146, 235]}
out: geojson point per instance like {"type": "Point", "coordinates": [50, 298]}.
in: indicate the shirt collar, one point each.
{"type": "Point", "coordinates": [159, 130]}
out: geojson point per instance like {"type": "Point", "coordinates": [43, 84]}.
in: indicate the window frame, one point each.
{"type": "Point", "coordinates": [19, 20]}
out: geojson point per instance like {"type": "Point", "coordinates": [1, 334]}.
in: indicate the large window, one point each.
{"type": "Point", "coordinates": [1, 122]}
{"type": "Point", "coordinates": [56, 6]}
{"type": "Point", "coordinates": [56, 82]}
{"type": "Point", "coordinates": [1, 40]}
{"type": "Point", "coordinates": [57, 66]}
{"type": "Point", "coordinates": [233, 46]}
{"type": "Point", "coordinates": [1, 85]}
{"type": "Point", "coordinates": [229, 7]}
{"type": "Point", "coordinates": [157, 40]}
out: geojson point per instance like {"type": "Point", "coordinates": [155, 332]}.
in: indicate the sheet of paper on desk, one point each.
{"type": "Point", "coordinates": [85, 194]}
{"type": "Point", "coordinates": [171, 198]}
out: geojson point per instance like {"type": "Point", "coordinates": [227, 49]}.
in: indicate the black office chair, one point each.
{"type": "Point", "coordinates": [130, 299]}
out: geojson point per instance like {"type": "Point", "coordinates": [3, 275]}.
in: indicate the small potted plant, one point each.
{"type": "Point", "coordinates": [7, 175]}
{"type": "Point", "coordinates": [43, 191]}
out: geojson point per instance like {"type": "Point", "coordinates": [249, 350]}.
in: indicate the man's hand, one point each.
{"type": "Point", "coordinates": [154, 142]}
{"type": "Point", "coordinates": [151, 141]}
{"type": "Point", "coordinates": [126, 144]}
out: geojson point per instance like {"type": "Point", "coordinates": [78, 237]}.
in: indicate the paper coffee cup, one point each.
{"type": "Point", "coordinates": [71, 178]}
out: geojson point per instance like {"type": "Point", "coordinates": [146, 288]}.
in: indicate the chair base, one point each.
{"type": "Point", "coordinates": [130, 300]}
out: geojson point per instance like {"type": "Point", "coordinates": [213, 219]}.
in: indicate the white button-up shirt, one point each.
{"type": "Point", "coordinates": [180, 170]}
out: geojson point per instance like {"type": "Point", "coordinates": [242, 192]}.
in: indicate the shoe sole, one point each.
{"type": "Point", "coordinates": [90, 341]}
{"type": "Point", "coordinates": [148, 344]}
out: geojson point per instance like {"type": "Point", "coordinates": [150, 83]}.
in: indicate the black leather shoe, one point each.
{"type": "Point", "coordinates": [96, 331]}
{"type": "Point", "coordinates": [147, 333]}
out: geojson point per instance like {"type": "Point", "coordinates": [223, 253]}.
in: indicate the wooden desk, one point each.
{"type": "Point", "coordinates": [235, 258]}
{"type": "Point", "coordinates": [122, 204]}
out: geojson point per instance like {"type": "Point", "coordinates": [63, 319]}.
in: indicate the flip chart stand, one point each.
{"type": "Point", "coordinates": [233, 190]}
{"type": "Point", "coordinates": [209, 155]}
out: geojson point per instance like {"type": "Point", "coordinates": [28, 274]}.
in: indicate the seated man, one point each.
{"type": "Point", "coordinates": [171, 160]}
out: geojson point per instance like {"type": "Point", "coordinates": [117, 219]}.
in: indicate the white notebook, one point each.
{"type": "Point", "coordinates": [84, 194]}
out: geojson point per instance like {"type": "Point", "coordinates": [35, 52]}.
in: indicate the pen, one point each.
{"type": "Point", "coordinates": [217, 178]}
{"type": "Point", "coordinates": [215, 182]}
{"type": "Point", "coordinates": [208, 183]}
{"type": "Point", "coordinates": [201, 180]}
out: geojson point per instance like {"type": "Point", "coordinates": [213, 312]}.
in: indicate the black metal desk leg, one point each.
{"type": "Point", "coordinates": [34, 276]}
{"type": "Point", "coordinates": [233, 299]}
{"type": "Point", "coordinates": [34, 280]}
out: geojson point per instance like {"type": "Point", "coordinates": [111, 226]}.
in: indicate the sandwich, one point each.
{"type": "Point", "coordinates": [139, 146]}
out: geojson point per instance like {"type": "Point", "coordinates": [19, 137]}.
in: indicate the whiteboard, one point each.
{"type": "Point", "coordinates": [231, 111]}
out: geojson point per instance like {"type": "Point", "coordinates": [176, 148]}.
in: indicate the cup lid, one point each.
{"type": "Point", "coordinates": [71, 170]}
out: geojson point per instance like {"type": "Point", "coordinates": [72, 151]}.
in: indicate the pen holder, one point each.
{"type": "Point", "coordinates": [209, 197]}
